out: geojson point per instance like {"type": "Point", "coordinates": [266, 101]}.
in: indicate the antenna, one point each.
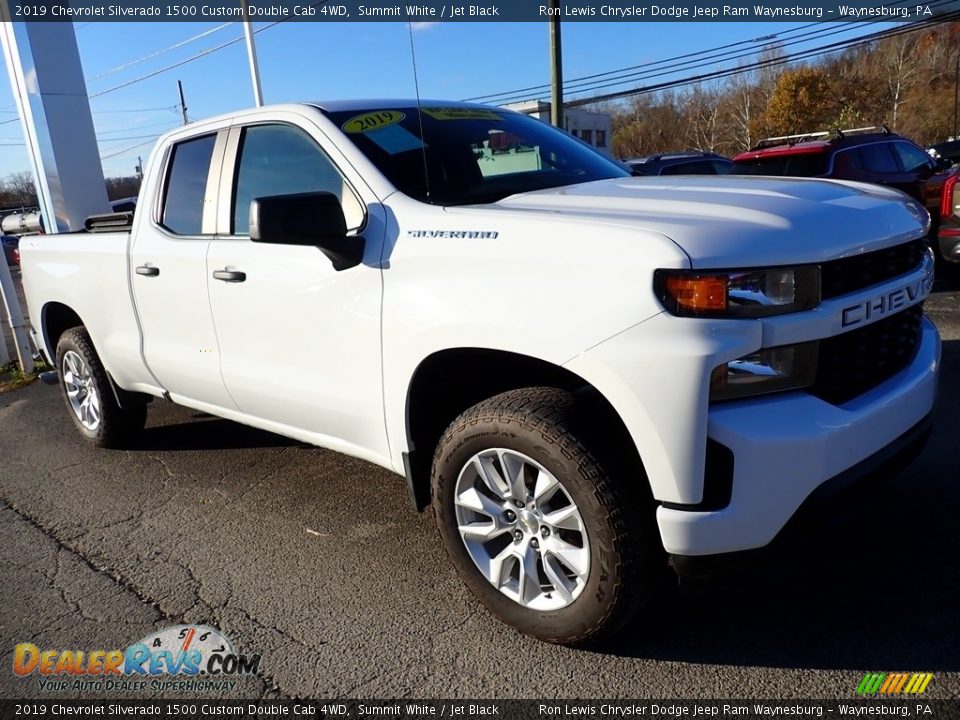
{"type": "Point", "coordinates": [416, 87]}
{"type": "Point", "coordinates": [183, 103]}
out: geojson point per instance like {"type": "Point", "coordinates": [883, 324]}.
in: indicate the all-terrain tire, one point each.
{"type": "Point", "coordinates": [626, 561]}
{"type": "Point", "coordinates": [114, 426]}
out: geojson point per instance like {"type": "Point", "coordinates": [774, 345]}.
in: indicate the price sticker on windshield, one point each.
{"type": "Point", "coordinates": [457, 113]}
{"type": "Point", "coordinates": [368, 122]}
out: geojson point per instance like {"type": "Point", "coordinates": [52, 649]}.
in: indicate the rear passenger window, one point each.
{"type": "Point", "coordinates": [187, 185]}
{"type": "Point", "coordinates": [283, 160]}
{"type": "Point", "coordinates": [878, 158]}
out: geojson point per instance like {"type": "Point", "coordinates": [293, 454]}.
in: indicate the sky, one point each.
{"type": "Point", "coordinates": [318, 60]}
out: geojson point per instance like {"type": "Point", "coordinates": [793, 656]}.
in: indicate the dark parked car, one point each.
{"type": "Point", "coordinates": [692, 162]}
{"type": "Point", "coordinates": [127, 204]}
{"type": "Point", "coordinates": [11, 249]}
{"type": "Point", "coordinates": [873, 155]}
{"type": "Point", "coordinates": [949, 150]}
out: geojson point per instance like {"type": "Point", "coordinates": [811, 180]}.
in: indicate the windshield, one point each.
{"type": "Point", "coordinates": [470, 155]}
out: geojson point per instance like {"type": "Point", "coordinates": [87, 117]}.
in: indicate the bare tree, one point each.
{"type": "Point", "coordinates": [901, 68]}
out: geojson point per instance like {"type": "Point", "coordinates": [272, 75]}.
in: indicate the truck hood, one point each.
{"type": "Point", "coordinates": [730, 221]}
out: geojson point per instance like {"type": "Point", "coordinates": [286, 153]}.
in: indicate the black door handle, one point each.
{"type": "Point", "coordinates": [148, 270]}
{"type": "Point", "coordinates": [229, 275]}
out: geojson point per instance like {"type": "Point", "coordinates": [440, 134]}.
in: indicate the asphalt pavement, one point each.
{"type": "Point", "coordinates": [316, 561]}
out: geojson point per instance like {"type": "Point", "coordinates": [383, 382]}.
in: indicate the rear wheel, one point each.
{"type": "Point", "coordinates": [535, 525]}
{"type": "Point", "coordinates": [89, 396]}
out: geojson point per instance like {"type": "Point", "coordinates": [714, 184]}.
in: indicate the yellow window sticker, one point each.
{"type": "Point", "coordinates": [372, 121]}
{"type": "Point", "coordinates": [455, 113]}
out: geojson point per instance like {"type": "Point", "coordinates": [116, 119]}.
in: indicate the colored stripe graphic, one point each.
{"type": "Point", "coordinates": [918, 683]}
{"type": "Point", "coordinates": [871, 683]}
{"type": "Point", "coordinates": [894, 683]}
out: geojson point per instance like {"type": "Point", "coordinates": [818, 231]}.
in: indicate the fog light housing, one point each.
{"type": "Point", "coordinates": [770, 370]}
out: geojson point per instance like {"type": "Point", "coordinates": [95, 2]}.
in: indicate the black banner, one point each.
{"type": "Point", "coordinates": [915, 707]}
{"type": "Point", "coordinates": [485, 10]}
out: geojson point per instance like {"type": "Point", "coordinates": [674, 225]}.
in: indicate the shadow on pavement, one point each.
{"type": "Point", "coordinates": [209, 434]}
{"type": "Point", "coordinates": [875, 586]}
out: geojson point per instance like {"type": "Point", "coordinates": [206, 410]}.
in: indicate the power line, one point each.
{"type": "Point", "coordinates": [690, 61]}
{"type": "Point", "coordinates": [103, 135]}
{"type": "Point", "coordinates": [763, 63]}
{"type": "Point", "coordinates": [201, 54]}
{"type": "Point", "coordinates": [136, 110]}
{"type": "Point", "coordinates": [165, 123]}
{"type": "Point", "coordinates": [543, 87]}
{"type": "Point", "coordinates": [150, 56]}
{"type": "Point", "coordinates": [126, 150]}
{"type": "Point", "coordinates": [133, 137]}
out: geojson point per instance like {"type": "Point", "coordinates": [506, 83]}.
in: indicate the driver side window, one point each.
{"type": "Point", "coordinates": [283, 160]}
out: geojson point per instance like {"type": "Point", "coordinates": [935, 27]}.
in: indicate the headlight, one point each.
{"type": "Point", "coordinates": [789, 367]}
{"type": "Point", "coordinates": [739, 293]}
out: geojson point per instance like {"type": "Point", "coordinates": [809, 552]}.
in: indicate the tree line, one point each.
{"type": "Point", "coordinates": [906, 82]}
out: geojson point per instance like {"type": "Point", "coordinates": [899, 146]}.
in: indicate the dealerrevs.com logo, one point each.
{"type": "Point", "coordinates": [201, 657]}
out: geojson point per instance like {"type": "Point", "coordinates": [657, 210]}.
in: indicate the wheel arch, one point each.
{"type": "Point", "coordinates": [55, 319]}
{"type": "Point", "coordinates": [437, 394]}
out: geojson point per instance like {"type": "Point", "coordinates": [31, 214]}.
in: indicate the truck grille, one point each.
{"type": "Point", "coordinates": [857, 361]}
{"type": "Point", "coordinates": [840, 277]}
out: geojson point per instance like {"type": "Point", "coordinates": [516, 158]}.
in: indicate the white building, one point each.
{"type": "Point", "coordinates": [594, 128]}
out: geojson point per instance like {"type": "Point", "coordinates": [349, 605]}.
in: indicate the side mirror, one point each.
{"type": "Point", "coordinates": [314, 218]}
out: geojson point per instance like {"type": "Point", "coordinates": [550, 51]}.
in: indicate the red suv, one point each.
{"type": "Point", "coordinates": [873, 155]}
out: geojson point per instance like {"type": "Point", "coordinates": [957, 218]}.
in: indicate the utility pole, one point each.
{"type": "Point", "coordinates": [956, 95]}
{"type": "Point", "coordinates": [556, 67]}
{"type": "Point", "coordinates": [183, 103]}
{"type": "Point", "coordinates": [252, 55]}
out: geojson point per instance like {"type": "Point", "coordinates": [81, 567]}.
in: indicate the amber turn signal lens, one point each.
{"type": "Point", "coordinates": [699, 294]}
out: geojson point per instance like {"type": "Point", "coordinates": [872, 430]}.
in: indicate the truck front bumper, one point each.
{"type": "Point", "coordinates": [787, 446]}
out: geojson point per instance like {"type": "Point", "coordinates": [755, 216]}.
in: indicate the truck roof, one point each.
{"type": "Point", "coordinates": [327, 106]}
{"type": "Point", "coordinates": [381, 103]}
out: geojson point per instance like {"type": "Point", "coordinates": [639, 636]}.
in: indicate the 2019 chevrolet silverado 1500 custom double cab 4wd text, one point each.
{"type": "Point", "coordinates": [584, 373]}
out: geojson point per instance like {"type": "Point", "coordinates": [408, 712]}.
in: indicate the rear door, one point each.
{"type": "Point", "coordinates": [169, 271]}
{"type": "Point", "coordinates": [874, 163]}
{"type": "Point", "coordinates": [299, 341]}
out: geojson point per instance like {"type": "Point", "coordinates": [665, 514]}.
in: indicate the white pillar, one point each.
{"type": "Point", "coordinates": [47, 82]}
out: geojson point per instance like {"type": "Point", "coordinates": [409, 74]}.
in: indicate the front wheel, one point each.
{"type": "Point", "coordinates": [89, 397]}
{"type": "Point", "coordinates": [535, 526]}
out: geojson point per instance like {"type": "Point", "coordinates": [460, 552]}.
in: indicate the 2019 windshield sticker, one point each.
{"type": "Point", "coordinates": [371, 121]}
{"type": "Point", "coordinates": [469, 234]}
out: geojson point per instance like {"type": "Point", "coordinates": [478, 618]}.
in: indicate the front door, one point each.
{"type": "Point", "coordinates": [299, 341]}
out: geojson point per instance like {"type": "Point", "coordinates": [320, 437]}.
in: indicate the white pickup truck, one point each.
{"type": "Point", "coordinates": [586, 374]}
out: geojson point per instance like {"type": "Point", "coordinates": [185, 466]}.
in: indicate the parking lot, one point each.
{"type": "Point", "coordinates": [315, 561]}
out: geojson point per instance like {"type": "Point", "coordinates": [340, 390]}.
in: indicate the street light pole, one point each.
{"type": "Point", "coordinates": [252, 55]}
{"type": "Point", "coordinates": [556, 67]}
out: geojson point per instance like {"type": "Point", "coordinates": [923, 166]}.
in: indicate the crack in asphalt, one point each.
{"type": "Point", "coordinates": [62, 590]}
